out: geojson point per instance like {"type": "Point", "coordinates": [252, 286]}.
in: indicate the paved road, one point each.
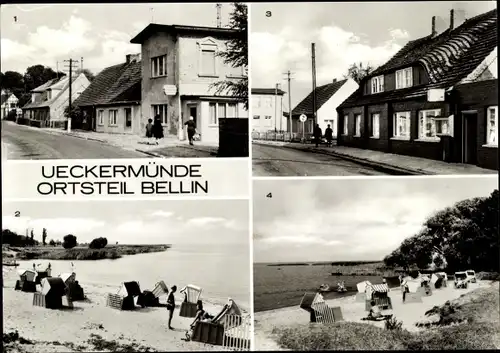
{"type": "Point", "coordinates": [282, 161]}
{"type": "Point", "coordinates": [23, 142]}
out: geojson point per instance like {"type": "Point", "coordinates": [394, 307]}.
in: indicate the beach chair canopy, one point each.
{"type": "Point", "coordinates": [68, 277]}
{"type": "Point", "coordinates": [308, 300]}
{"type": "Point", "coordinates": [29, 275]}
{"type": "Point", "coordinates": [380, 288]}
{"type": "Point", "coordinates": [131, 289]}
{"type": "Point", "coordinates": [229, 309]}
{"type": "Point", "coordinates": [362, 286]}
{"type": "Point", "coordinates": [192, 292]}
{"type": "Point", "coordinates": [159, 289]}
{"type": "Point", "coordinates": [53, 286]}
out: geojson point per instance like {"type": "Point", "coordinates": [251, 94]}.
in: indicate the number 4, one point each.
{"type": "Point", "coordinates": [270, 195]}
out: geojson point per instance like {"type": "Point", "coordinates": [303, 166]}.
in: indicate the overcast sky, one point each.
{"type": "Point", "coordinates": [134, 222]}
{"type": "Point", "coordinates": [100, 33]}
{"type": "Point", "coordinates": [344, 33]}
{"type": "Point", "coordinates": [349, 219]}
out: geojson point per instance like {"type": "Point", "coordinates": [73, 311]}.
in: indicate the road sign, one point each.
{"type": "Point", "coordinates": [303, 118]}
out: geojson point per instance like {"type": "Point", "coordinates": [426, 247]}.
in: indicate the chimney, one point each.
{"type": "Point", "coordinates": [452, 18]}
{"type": "Point", "coordinates": [433, 33]}
{"type": "Point", "coordinates": [132, 57]}
{"type": "Point", "coordinates": [334, 80]}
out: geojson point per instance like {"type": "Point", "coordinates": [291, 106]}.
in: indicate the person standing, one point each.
{"type": "Point", "coordinates": [317, 134]}
{"type": "Point", "coordinates": [157, 128]}
{"type": "Point", "coordinates": [191, 129]}
{"type": "Point", "coordinates": [171, 306]}
{"type": "Point", "coordinates": [329, 135]}
{"type": "Point", "coordinates": [149, 128]}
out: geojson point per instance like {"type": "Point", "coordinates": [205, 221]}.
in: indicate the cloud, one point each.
{"type": "Point", "coordinates": [336, 49]}
{"type": "Point", "coordinates": [163, 214]}
{"type": "Point", "coordinates": [397, 33]}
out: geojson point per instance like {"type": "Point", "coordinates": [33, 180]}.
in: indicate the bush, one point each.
{"type": "Point", "coordinates": [98, 243]}
{"type": "Point", "coordinates": [11, 116]}
{"type": "Point", "coordinates": [52, 242]}
{"type": "Point", "coordinates": [69, 241]}
{"type": "Point", "coordinates": [393, 324]}
{"type": "Point", "coordinates": [14, 239]}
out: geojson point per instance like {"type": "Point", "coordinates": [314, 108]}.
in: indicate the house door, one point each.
{"type": "Point", "coordinates": [128, 119]}
{"type": "Point", "coordinates": [193, 112]}
{"type": "Point", "coordinates": [469, 142]}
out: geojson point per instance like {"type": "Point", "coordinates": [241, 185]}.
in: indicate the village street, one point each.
{"type": "Point", "coordinates": [28, 143]}
{"type": "Point", "coordinates": [279, 161]}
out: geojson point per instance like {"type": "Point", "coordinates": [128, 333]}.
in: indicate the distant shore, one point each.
{"type": "Point", "coordinates": [78, 252]}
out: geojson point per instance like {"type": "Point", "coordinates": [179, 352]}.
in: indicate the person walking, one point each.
{"type": "Point", "coordinates": [157, 128]}
{"type": "Point", "coordinates": [171, 306]}
{"type": "Point", "coordinates": [329, 135]}
{"type": "Point", "coordinates": [149, 129]}
{"type": "Point", "coordinates": [191, 129]}
{"type": "Point", "coordinates": [317, 134]}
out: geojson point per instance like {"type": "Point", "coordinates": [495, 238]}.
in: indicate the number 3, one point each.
{"type": "Point", "coordinates": [269, 13]}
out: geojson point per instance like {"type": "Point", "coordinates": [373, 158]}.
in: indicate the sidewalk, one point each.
{"type": "Point", "coordinates": [399, 164]}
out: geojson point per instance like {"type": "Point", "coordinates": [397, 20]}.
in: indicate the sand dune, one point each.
{"type": "Point", "coordinates": [409, 313]}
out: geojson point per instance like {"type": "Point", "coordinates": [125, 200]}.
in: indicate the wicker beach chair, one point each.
{"type": "Point", "coordinates": [26, 281]}
{"type": "Point", "coordinates": [319, 310]}
{"type": "Point", "coordinates": [52, 293]}
{"type": "Point", "coordinates": [124, 299]}
{"type": "Point", "coordinates": [74, 290]}
{"type": "Point", "coordinates": [192, 295]}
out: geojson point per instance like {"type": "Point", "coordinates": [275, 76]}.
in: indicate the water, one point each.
{"type": "Point", "coordinates": [281, 286]}
{"type": "Point", "coordinates": [222, 271]}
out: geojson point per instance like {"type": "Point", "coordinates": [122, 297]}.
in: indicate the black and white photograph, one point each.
{"type": "Point", "coordinates": [132, 80]}
{"type": "Point", "coordinates": [111, 276]}
{"type": "Point", "coordinates": [396, 263]}
{"type": "Point", "coordinates": [411, 89]}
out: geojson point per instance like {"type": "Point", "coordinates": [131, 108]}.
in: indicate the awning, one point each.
{"type": "Point", "coordinates": [380, 288]}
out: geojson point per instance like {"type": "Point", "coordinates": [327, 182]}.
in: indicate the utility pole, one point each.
{"type": "Point", "coordinates": [81, 63]}
{"type": "Point", "coordinates": [288, 73]}
{"type": "Point", "coordinates": [57, 69]}
{"type": "Point", "coordinates": [219, 15]}
{"type": "Point", "coordinates": [313, 56]}
{"type": "Point", "coordinates": [71, 63]}
{"type": "Point", "coordinates": [276, 108]}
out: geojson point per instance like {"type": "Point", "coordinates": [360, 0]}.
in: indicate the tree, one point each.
{"type": "Point", "coordinates": [14, 239]}
{"type": "Point", "coordinates": [98, 243]}
{"type": "Point", "coordinates": [52, 242]}
{"type": "Point", "coordinates": [75, 114]}
{"type": "Point", "coordinates": [44, 236]}
{"type": "Point", "coordinates": [12, 80]}
{"type": "Point", "coordinates": [90, 76]}
{"type": "Point", "coordinates": [358, 72]}
{"type": "Point", "coordinates": [236, 55]}
{"type": "Point", "coordinates": [69, 241]}
{"type": "Point", "coordinates": [32, 235]}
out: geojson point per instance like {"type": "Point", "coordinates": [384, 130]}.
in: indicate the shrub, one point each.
{"type": "Point", "coordinates": [98, 243]}
{"type": "Point", "coordinates": [52, 242]}
{"type": "Point", "coordinates": [69, 241]}
{"type": "Point", "coordinates": [393, 324]}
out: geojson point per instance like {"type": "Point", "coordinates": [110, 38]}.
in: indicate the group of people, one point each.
{"type": "Point", "coordinates": [318, 135]}
{"type": "Point", "coordinates": [154, 129]}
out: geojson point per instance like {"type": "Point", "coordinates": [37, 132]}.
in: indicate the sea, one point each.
{"type": "Point", "coordinates": [283, 286]}
{"type": "Point", "coordinates": [222, 271]}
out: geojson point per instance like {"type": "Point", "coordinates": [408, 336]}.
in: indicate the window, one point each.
{"type": "Point", "coordinates": [401, 125]}
{"type": "Point", "coordinates": [112, 117]}
{"type": "Point", "coordinates": [213, 113]}
{"type": "Point", "coordinates": [159, 66]}
{"type": "Point", "coordinates": [357, 120]}
{"type": "Point", "coordinates": [346, 125]}
{"type": "Point", "coordinates": [100, 117]}
{"type": "Point", "coordinates": [404, 78]}
{"type": "Point", "coordinates": [256, 102]}
{"type": "Point", "coordinates": [256, 117]}
{"type": "Point", "coordinates": [223, 110]}
{"type": "Point", "coordinates": [378, 84]}
{"type": "Point", "coordinates": [161, 110]}
{"type": "Point", "coordinates": [376, 125]}
{"type": "Point", "coordinates": [231, 110]}
{"type": "Point", "coordinates": [428, 129]}
{"type": "Point", "coordinates": [128, 117]}
{"type": "Point", "coordinates": [208, 61]}
{"type": "Point", "coordinates": [492, 125]}
{"type": "Point", "coordinates": [269, 102]}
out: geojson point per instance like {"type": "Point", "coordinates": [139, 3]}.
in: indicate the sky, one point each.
{"type": "Point", "coordinates": [349, 219]}
{"type": "Point", "coordinates": [136, 222]}
{"type": "Point", "coordinates": [100, 33]}
{"type": "Point", "coordinates": [344, 33]}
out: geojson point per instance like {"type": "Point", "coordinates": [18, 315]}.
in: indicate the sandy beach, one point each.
{"type": "Point", "coordinates": [70, 330]}
{"type": "Point", "coordinates": [354, 311]}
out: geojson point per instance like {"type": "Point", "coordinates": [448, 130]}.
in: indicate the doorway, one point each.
{"type": "Point", "coordinates": [128, 119]}
{"type": "Point", "coordinates": [469, 137]}
{"type": "Point", "coordinates": [192, 110]}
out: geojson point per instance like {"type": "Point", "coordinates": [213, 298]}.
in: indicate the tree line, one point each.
{"type": "Point", "coordinates": [461, 237]}
{"type": "Point", "coordinates": [69, 241]}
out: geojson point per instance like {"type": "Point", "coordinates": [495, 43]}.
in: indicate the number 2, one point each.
{"type": "Point", "coordinates": [17, 214]}
{"type": "Point", "coordinates": [270, 195]}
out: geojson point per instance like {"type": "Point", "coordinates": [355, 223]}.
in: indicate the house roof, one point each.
{"type": "Point", "coordinates": [323, 94]}
{"type": "Point", "coordinates": [4, 97]}
{"type": "Point", "coordinates": [155, 28]}
{"type": "Point", "coordinates": [116, 84]}
{"type": "Point", "coordinates": [270, 91]}
{"type": "Point", "coordinates": [447, 58]}
{"type": "Point", "coordinates": [60, 84]}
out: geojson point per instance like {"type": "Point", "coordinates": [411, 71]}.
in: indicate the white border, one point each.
{"type": "Point", "coordinates": [364, 177]}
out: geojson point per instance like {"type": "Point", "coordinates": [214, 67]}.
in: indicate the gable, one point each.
{"type": "Point", "coordinates": [323, 94]}
{"type": "Point", "coordinates": [486, 70]}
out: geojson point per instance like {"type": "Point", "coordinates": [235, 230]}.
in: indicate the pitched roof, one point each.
{"type": "Point", "coordinates": [447, 58]}
{"type": "Point", "coordinates": [116, 84]}
{"type": "Point", "coordinates": [271, 91]}
{"type": "Point", "coordinates": [46, 85]}
{"type": "Point", "coordinates": [155, 28]}
{"type": "Point", "coordinates": [323, 94]}
{"type": "Point", "coordinates": [61, 84]}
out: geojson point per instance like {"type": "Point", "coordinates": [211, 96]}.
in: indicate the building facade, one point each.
{"type": "Point", "coordinates": [328, 98]}
{"type": "Point", "coordinates": [422, 101]}
{"type": "Point", "coordinates": [112, 102]}
{"type": "Point", "coordinates": [267, 110]}
{"type": "Point", "coordinates": [8, 102]}
{"type": "Point", "coordinates": [48, 101]}
{"type": "Point", "coordinates": [180, 66]}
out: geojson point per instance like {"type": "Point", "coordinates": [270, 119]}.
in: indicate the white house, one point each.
{"type": "Point", "coordinates": [48, 101]}
{"type": "Point", "coordinates": [8, 102]}
{"type": "Point", "coordinates": [267, 110]}
{"type": "Point", "coordinates": [328, 98]}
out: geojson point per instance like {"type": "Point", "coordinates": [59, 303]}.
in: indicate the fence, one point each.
{"type": "Point", "coordinates": [285, 137]}
{"type": "Point", "coordinates": [237, 333]}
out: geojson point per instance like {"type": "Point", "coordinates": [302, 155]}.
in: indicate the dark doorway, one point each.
{"type": "Point", "coordinates": [469, 138]}
{"type": "Point", "coordinates": [192, 112]}
{"type": "Point", "coordinates": [128, 118]}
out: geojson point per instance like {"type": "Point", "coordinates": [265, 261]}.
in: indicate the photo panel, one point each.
{"type": "Point", "coordinates": [376, 263]}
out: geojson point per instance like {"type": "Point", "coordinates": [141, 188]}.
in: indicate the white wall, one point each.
{"type": "Point", "coordinates": [57, 106]}
{"type": "Point", "coordinates": [120, 120]}
{"type": "Point", "coordinates": [329, 110]}
{"type": "Point", "coordinates": [267, 105]}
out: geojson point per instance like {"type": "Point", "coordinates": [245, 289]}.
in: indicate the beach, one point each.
{"type": "Point", "coordinates": [409, 314]}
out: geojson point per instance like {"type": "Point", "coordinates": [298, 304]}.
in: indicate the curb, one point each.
{"type": "Point", "coordinates": [383, 167]}
{"type": "Point", "coordinates": [199, 149]}
{"type": "Point", "coordinates": [152, 154]}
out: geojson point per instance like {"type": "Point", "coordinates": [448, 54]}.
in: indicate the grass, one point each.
{"type": "Point", "coordinates": [84, 253]}
{"type": "Point", "coordinates": [470, 324]}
